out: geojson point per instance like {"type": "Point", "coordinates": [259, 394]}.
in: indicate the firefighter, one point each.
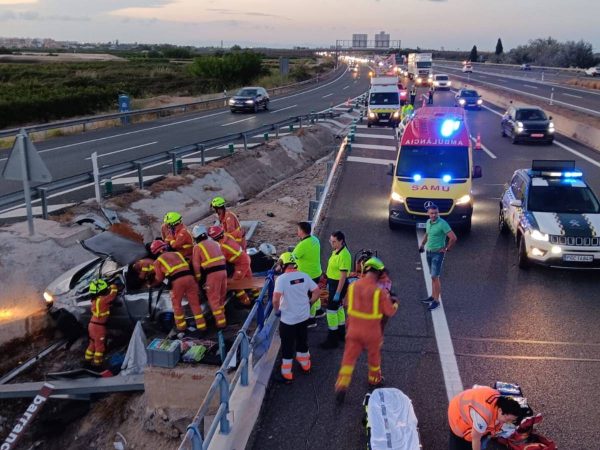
{"type": "Point", "coordinates": [236, 256]}
{"type": "Point", "coordinates": [211, 272]}
{"type": "Point", "coordinates": [174, 268]}
{"type": "Point", "coordinates": [229, 221]}
{"type": "Point", "coordinates": [103, 296]}
{"type": "Point", "coordinates": [290, 299]}
{"type": "Point", "coordinates": [176, 234]}
{"type": "Point", "coordinates": [144, 268]}
{"type": "Point", "coordinates": [367, 305]}
{"type": "Point", "coordinates": [478, 412]}
{"type": "Point", "coordinates": [413, 94]}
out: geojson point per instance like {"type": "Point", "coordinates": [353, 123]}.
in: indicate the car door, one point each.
{"type": "Point", "coordinates": [517, 192]}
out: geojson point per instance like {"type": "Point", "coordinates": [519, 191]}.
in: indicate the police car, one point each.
{"type": "Point", "coordinates": [553, 215]}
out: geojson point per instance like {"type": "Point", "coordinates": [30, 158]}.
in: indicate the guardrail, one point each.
{"type": "Point", "coordinates": [42, 191]}
{"type": "Point", "coordinates": [262, 308]}
{"type": "Point", "coordinates": [575, 70]}
{"type": "Point", "coordinates": [203, 104]}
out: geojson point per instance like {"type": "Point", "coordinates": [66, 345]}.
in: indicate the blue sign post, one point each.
{"type": "Point", "coordinates": [124, 104]}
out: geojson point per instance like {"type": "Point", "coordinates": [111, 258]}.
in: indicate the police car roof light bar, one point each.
{"type": "Point", "coordinates": [551, 165]}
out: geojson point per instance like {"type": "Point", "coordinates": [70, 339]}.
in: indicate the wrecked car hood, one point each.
{"type": "Point", "coordinates": [120, 249]}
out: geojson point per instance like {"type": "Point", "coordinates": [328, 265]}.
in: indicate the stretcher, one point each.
{"type": "Point", "coordinates": [390, 421]}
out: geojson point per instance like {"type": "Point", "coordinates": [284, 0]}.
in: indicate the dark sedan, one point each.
{"type": "Point", "coordinates": [527, 124]}
{"type": "Point", "coordinates": [468, 98]}
{"type": "Point", "coordinates": [249, 99]}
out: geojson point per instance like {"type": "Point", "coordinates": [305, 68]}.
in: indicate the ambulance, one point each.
{"type": "Point", "coordinates": [384, 102]}
{"type": "Point", "coordinates": [434, 166]}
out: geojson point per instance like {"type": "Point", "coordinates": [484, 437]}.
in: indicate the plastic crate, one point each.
{"type": "Point", "coordinates": [163, 353]}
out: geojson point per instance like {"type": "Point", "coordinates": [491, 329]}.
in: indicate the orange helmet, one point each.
{"type": "Point", "coordinates": [157, 246]}
{"type": "Point", "coordinates": [216, 232]}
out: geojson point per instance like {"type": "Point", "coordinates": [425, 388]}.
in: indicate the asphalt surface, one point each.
{"type": "Point", "coordinates": [530, 83]}
{"type": "Point", "coordinates": [70, 155]}
{"type": "Point", "coordinates": [536, 327]}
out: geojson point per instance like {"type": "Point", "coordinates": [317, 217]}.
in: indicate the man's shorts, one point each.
{"type": "Point", "coordinates": [435, 260]}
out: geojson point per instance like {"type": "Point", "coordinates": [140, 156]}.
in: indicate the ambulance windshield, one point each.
{"type": "Point", "coordinates": [384, 98]}
{"type": "Point", "coordinates": [433, 161]}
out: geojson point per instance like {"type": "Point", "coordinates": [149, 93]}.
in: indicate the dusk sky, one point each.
{"type": "Point", "coordinates": [434, 24]}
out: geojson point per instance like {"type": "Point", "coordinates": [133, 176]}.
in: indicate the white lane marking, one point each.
{"type": "Point", "coordinates": [36, 211]}
{"type": "Point", "coordinates": [366, 127]}
{"type": "Point", "coordinates": [502, 81]}
{"type": "Point", "coordinates": [283, 109]}
{"type": "Point", "coordinates": [237, 121]}
{"type": "Point", "coordinates": [530, 86]}
{"type": "Point", "coordinates": [484, 148]}
{"type": "Point", "coordinates": [328, 95]}
{"type": "Point", "coordinates": [375, 136]}
{"type": "Point", "coordinates": [572, 95]}
{"type": "Point", "coordinates": [575, 152]}
{"type": "Point", "coordinates": [335, 122]}
{"type": "Point", "coordinates": [442, 335]}
{"type": "Point", "coordinates": [345, 87]}
{"type": "Point", "coordinates": [360, 159]}
{"type": "Point", "coordinates": [134, 180]}
{"type": "Point", "coordinates": [482, 76]}
{"type": "Point", "coordinates": [391, 148]}
{"type": "Point", "coordinates": [123, 150]}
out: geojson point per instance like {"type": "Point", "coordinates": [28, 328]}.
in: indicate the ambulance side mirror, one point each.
{"type": "Point", "coordinates": [477, 172]}
{"type": "Point", "coordinates": [390, 171]}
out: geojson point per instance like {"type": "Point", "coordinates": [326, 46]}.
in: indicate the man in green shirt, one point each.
{"type": "Point", "coordinates": [307, 255]}
{"type": "Point", "coordinates": [439, 239]}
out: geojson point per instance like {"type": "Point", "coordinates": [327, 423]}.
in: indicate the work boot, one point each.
{"type": "Point", "coordinates": [341, 333]}
{"type": "Point", "coordinates": [331, 341]}
{"type": "Point", "coordinates": [312, 322]}
{"type": "Point", "coordinates": [340, 396]}
{"type": "Point", "coordinates": [381, 384]}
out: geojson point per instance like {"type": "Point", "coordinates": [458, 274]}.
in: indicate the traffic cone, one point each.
{"type": "Point", "coordinates": [478, 142]}
{"type": "Point", "coordinates": [348, 102]}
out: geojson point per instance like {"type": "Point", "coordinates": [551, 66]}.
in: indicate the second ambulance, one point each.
{"type": "Point", "coordinates": [434, 165]}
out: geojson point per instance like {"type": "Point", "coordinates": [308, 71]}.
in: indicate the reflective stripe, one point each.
{"type": "Point", "coordinates": [375, 315]}
{"type": "Point", "coordinates": [148, 269]}
{"type": "Point", "coordinates": [199, 316]}
{"type": "Point", "coordinates": [374, 368]}
{"type": "Point", "coordinates": [346, 370]}
{"type": "Point", "coordinates": [235, 254]}
{"type": "Point", "coordinates": [171, 269]}
{"type": "Point", "coordinates": [207, 257]}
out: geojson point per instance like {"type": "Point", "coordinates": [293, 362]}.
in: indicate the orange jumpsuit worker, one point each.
{"type": "Point", "coordinates": [176, 234]}
{"type": "Point", "coordinates": [477, 412]}
{"type": "Point", "coordinates": [173, 267]}
{"type": "Point", "coordinates": [145, 269]}
{"type": "Point", "coordinates": [104, 296]}
{"type": "Point", "coordinates": [229, 221]}
{"type": "Point", "coordinates": [209, 267]}
{"type": "Point", "coordinates": [367, 305]}
{"type": "Point", "coordinates": [234, 254]}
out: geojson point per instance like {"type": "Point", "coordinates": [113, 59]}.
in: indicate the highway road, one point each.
{"type": "Point", "coordinates": [538, 328]}
{"type": "Point", "coordinates": [529, 83]}
{"type": "Point", "coordinates": [70, 155]}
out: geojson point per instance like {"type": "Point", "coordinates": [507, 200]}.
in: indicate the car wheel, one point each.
{"type": "Point", "coordinates": [550, 142]}
{"type": "Point", "coordinates": [522, 258]}
{"type": "Point", "coordinates": [514, 139]}
{"type": "Point", "coordinates": [503, 132]}
{"type": "Point", "coordinates": [466, 227]}
{"type": "Point", "coordinates": [266, 105]}
{"type": "Point", "coordinates": [393, 225]}
{"type": "Point", "coordinates": [368, 125]}
{"type": "Point", "coordinates": [256, 107]}
{"type": "Point", "coordinates": [502, 226]}
{"type": "Point", "coordinates": [232, 111]}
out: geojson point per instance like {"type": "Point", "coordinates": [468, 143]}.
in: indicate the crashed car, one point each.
{"type": "Point", "coordinates": [67, 296]}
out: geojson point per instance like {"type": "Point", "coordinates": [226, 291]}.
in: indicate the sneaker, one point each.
{"type": "Point", "coordinates": [427, 300]}
{"type": "Point", "coordinates": [433, 305]}
{"type": "Point", "coordinates": [320, 313]}
{"type": "Point", "coordinates": [312, 323]}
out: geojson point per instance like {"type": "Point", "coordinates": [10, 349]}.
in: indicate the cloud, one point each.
{"type": "Point", "coordinates": [35, 16]}
{"type": "Point", "coordinates": [232, 12]}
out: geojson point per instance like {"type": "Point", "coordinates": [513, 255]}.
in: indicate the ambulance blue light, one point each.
{"type": "Point", "coordinates": [417, 177]}
{"type": "Point", "coordinates": [449, 126]}
{"type": "Point", "coordinates": [446, 178]}
{"type": "Point", "coordinates": [572, 174]}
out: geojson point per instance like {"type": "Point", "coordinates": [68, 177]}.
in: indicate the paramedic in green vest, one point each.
{"type": "Point", "coordinates": [307, 255]}
{"type": "Point", "coordinates": [338, 268]}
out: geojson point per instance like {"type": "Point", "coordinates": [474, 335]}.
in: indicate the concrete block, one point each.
{"type": "Point", "coordinates": [23, 326]}
{"type": "Point", "coordinates": [183, 387]}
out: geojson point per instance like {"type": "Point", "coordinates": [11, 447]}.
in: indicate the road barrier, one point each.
{"type": "Point", "coordinates": [194, 438]}
{"type": "Point", "coordinates": [125, 116]}
{"type": "Point", "coordinates": [42, 192]}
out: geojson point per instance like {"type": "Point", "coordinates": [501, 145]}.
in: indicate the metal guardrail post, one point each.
{"type": "Point", "coordinates": [44, 198]}
{"type": "Point", "coordinates": [174, 162]}
{"type": "Point", "coordinates": [319, 191]}
{"type": "Point", "coordinates": [224, 399]}
{"type": "Point", "coordinates": [277, 132]}
{"type": "Point", "coordinates": [202, 157]}
{"type": "Point", "coordinates": [312, 207]}
{"type": "Point", "coordinates": [140, 172]}
{"type": "Point", "coordinates": [329, 167]}
{"type": "Point", "coordinates": [245, 355]}
{"type": "Point", "coordinates": [83, 128]}
{"type": "Point", "coordinates": [300, 122]}
{"type": "Point", "coordinates": [245, 141]}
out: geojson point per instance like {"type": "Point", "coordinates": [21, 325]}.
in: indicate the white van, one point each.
{"type": "Point", "coordinates": [441, 81]}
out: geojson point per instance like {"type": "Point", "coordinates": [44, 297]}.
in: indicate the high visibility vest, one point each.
{"type": "Point", "coordinates": [231, 225]}
{"type": "Point", "coordinates": [483, 401]}
{"type": "Point", "coordinates": [101, 305]}
{"type": "Point", "coordinates": [209, 254]}
{"type": "Point", "coordinates": [364, 307]}
{"type": "Point", "coordinates": [172, 263]}
{"type": "Point", "coordinates": [231, 249]}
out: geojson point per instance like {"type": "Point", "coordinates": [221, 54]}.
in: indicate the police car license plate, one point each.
{"type": "Point", "coordinates": [421, 225]}
{"type": "Point", "coordinates": [537, 135]}
{"type": "Point", "coordinates": [578, 258]}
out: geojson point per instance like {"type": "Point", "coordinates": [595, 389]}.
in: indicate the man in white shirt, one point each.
{"type": "Point", "coordinates": [289, 298]}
